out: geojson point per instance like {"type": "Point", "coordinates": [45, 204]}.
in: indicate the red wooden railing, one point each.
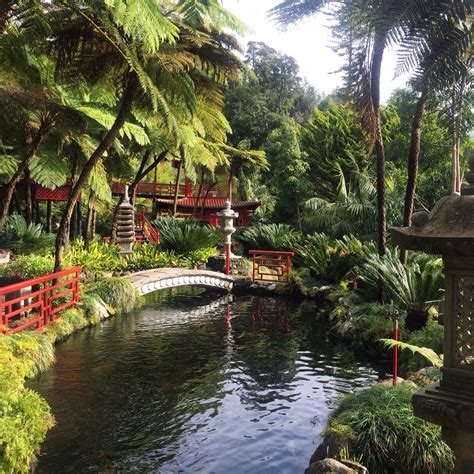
{"type": "Point", "coordinates": [271, 265]}
{"type": "Point", "coordinates": [34, 304]}
{"type": "Point", "coordinates": [148, 230]}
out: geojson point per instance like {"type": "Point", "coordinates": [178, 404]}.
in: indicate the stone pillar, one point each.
{"type": "Point", "coordinates": [448, 230]}
{"type": "Point", "coordinates": [226, 261]}
{"type": "Point", "coordinates": [125, 226]}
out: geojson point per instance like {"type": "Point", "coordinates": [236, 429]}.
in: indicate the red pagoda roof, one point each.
{"type": "Point", "coordinates": [211, 203]}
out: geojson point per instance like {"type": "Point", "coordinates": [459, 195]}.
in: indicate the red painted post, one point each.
{"type": "Point", "coordinates": [395, 353]}
{"type": "Point", "coordinates": [45, 304]}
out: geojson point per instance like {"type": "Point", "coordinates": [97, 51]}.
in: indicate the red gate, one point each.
{"type": "Point", "coordinates": [269, 265]}
{"type": "Point", "coordinates": [35, 303]}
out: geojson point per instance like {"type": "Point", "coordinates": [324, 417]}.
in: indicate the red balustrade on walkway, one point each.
{"type": "Point", "coordinates": [35, 303]}
{"type": "Point", "coordinates": [147, 228]}
{"type": "Point", "coordinates": [271, 265]}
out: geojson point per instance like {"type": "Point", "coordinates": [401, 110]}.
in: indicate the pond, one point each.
{"type": "Point", "coordinates": [196, 383]}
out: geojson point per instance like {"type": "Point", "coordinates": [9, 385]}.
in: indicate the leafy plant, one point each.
{"type": "Point", "coordinates": [328, 259]}
{"type": "Point", "coordinates": [28, 266]}
{"type": "Point", "coordinates": [96, 257]}
{"type": "Point", "coordinates": [386, 433]}
{"type": "Point", "coordinates": [429, 354]}
{"type": "Point", "coordinates": [269, 237]}
{"type": "Point", "coordinates": [198, 258]}
{"type": "Point", "coordinates": [415, 287]}
{"type": "Point", "coordinates": [23, 238]}
{"type": "Point", "coordinates": [184, 236]}
{"type": "Point", "coordinates": [148, 256]}
{"type": "Point", "coordinates": [25, 417]}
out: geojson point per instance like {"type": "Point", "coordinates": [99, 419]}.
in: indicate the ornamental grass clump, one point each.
{"type": "Point", "coordinates": [385, 432]}
{"type": "Point", "coordinates": [118, 293]}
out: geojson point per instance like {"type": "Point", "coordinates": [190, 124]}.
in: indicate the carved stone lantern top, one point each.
{"type": "Point", "coordinates": [447, 230]}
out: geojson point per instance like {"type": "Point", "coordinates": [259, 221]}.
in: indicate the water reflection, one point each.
{"type": "Point", "coordinates": [191, 383]}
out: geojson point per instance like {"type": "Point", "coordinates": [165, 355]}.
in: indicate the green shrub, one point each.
{"type": "Point", "coordinates": [96, 257]}
{"type": "Point", "coordinates": [388, 435]}
{"type": "Point", "coordinates": [325, 258]}
{"type": "Point", "coordinates": [198, 258]}
{"type": "Point", "coordinates": [25, 417]}
{"type": "Point", "coordinates": [432, 337]}
{"type": "Point", "coordinates": [28, 266]}
{"type": "Point", "coordinates": [148, 256]}
{"type": "Point", "coordinates": [23, 238]}
{"type": "Point", "coordinates": [373, 322]}
{"type": "Point", "coordinates": [184, 236]}
{"type": "Point", "coordinates": [269, 237]}
{"type": "Point", "coordinates": [416, 286]}
{"type": "Point", "coordinates": [116, 292]}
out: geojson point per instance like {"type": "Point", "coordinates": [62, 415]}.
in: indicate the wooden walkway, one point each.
{"type": "Point", "coordinates": [158, 279]}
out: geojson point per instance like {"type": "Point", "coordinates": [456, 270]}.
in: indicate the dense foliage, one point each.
{"type": "Point", "coordinates": [379, 424]}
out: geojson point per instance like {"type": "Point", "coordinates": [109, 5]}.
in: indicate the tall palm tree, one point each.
{"type": "Point", "coordinates": [412, 25]}
{"type": "Point", "coordinates": [160, 50]}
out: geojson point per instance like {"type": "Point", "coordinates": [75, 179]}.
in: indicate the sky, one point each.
{"type": "Point", "coordinates": [309, 42]}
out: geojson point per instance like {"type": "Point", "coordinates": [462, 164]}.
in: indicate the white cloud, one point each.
{"type": "Point", "coordinates": [309, 42]}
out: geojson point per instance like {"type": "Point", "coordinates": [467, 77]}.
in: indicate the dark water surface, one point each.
{"type": "Point", "coordinates": [192, 383]}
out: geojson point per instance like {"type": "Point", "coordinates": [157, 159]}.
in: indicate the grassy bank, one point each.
{"type": "Point", "coordinates": [25, 416]}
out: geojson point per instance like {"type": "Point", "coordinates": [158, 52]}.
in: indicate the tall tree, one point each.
{"type": "Point", "coordinates": [412, 25]}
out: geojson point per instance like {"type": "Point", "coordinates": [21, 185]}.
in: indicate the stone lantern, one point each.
{"type": "Point", "coordinates": [448, 230]}
{"type": "Point", "coordinates": [227, 216]}
{"type": "Point", "coordinates": [125, 226]}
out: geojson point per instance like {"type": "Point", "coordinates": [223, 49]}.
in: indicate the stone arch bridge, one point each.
{"type": "Point", "coordinates": [149, 281]}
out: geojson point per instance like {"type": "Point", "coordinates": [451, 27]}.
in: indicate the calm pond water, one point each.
{"type": "Point", "coordinates": [193, 383]}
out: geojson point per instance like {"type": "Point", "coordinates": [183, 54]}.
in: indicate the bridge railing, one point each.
{"type": "Point", "coordinates": [269, 265]}
{"type": "Point", "coordinates": [35, 303]}
{"type": "Point", "coordinates": [146, 227]}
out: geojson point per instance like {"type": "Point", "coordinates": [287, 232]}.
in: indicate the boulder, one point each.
{"type": "Point", "coordinates": [329, 465]}
{"type": "Point", "coordinates": [357, 467]}
{"type": "Point", "coordinates": [331, 446]}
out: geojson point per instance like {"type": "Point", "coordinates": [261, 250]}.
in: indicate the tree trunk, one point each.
{"type": "Point", "coordinates": [176, 187]}
{"type": "Point", "coordinates": [90, 226]}
{"type": "Point", "coordinates": [49, 223]}
{"type": "Point", "coordinates": [43, 130]}
{"type": "Point", "coordinates": [141, 173]}
{"type": "Point", "coordinates": [62, 238]}
{"type": "Point", "coordinates": [229, 185]}
{"type": "Point", "coordinates": [196, 201]}
{"type": "Point", "coordinates": [377, 57]}
{"type": "Point", "coordinates": [413, 159]}
{"type": "Point", "coordinates": [204, 199]}
{"type": "Point", "coordinates": [29, 198]}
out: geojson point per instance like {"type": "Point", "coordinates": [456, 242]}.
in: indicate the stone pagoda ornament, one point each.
{"type": "Point", "coordinates": [227, 216]}
{"type": "Point", "coordinates": [448, 230]}
{"type": "Point", "coordinates": [125, 226]}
